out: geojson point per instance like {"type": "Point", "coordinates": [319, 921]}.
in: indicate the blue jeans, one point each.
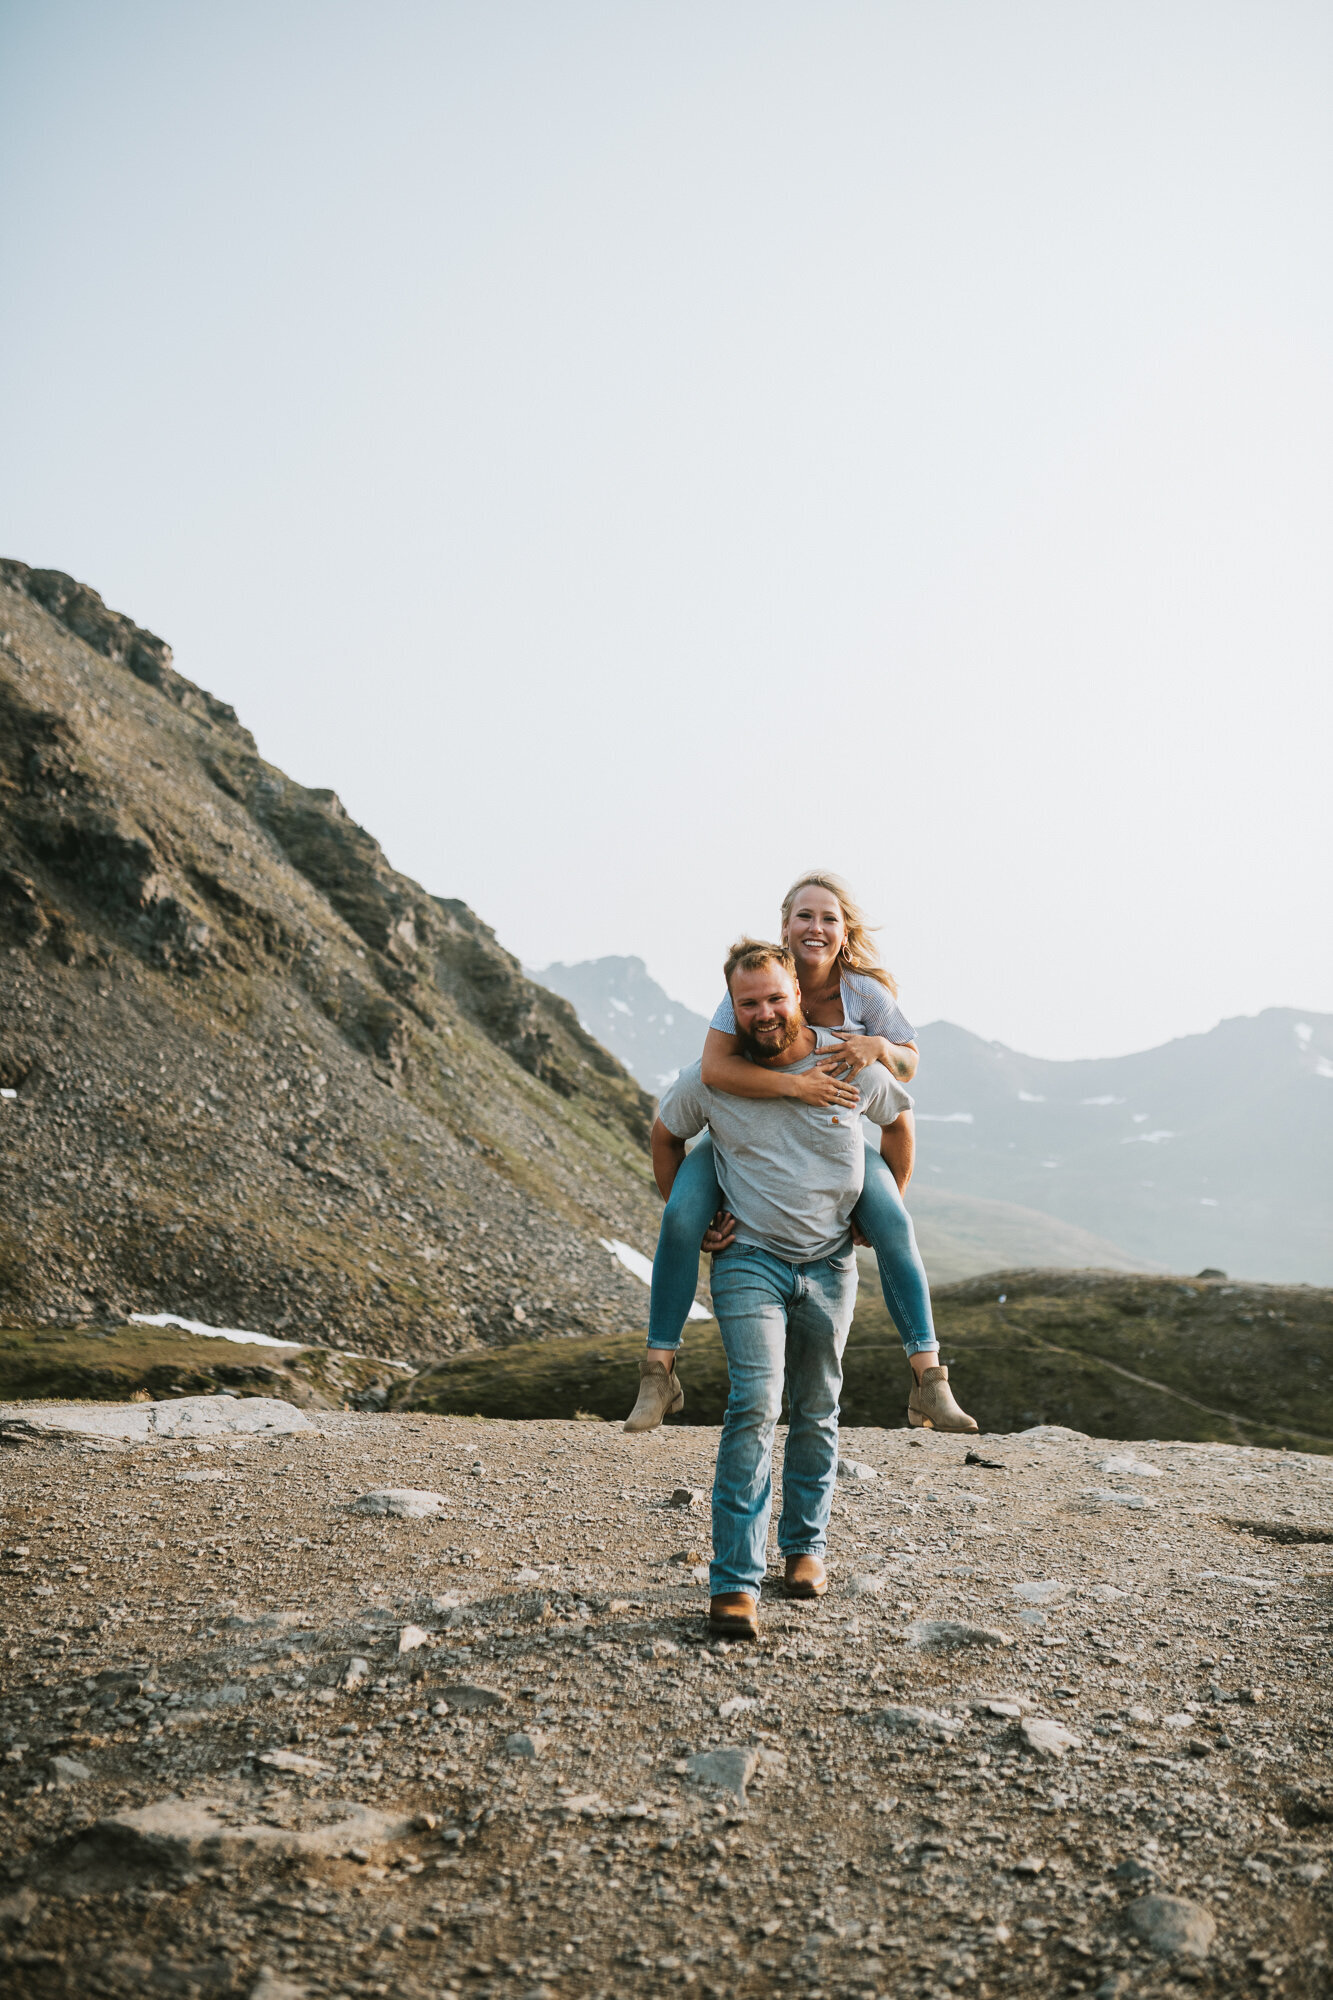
{"type": "Point", "coordinates": [880, 1215]}
{"type": "Point", "coordinates": [781, 1324]}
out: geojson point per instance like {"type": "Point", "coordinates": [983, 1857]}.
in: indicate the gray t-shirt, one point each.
{"type": "Point", "coordinates": [791, 1173]}
{"type": "Point", "coordinates": [867, 1009]}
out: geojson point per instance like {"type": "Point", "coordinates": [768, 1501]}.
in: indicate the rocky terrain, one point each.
{"type": "Point", "coordinates": [251, 1073]}
{"type": "Point", "coordinates": [1061, 1726]}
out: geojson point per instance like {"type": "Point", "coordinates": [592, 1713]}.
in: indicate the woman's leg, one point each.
{"type": "Point", "coordinates": [881, 1216]}
{"type": "Point", "coordinates": [695, 1200]}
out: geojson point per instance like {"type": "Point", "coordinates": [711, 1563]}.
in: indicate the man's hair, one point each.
{"type": "Point", "coordinates": [752, 954]}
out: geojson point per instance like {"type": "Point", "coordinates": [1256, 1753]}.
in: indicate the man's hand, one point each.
{"type": "Point", "coordinates": [859, 1236]}
{"type": "Point", "coordinates": [819, 1087]}
{"type": "Point", "coordinates": [719, 1233]}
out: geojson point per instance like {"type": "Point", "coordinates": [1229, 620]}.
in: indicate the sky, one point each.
{"type": "Point", "coordinates": [636, 452]}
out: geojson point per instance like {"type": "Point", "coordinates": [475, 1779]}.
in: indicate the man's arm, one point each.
{"type": "Point", "coordinates": [897, 1145]}
{"type": "Point", "coordinates": [668, 1155]}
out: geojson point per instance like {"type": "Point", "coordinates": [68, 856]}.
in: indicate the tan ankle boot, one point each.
{"type": "Point", "coordinates": [931, 1405]}
{"type": "Point", "coordinates": [660, 1395]}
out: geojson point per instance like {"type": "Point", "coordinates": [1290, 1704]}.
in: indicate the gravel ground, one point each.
{"type": "Point", "coordinates": [221, 1775]}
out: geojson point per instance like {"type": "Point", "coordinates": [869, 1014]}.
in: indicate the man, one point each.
{"type": "Point", "coordinates": [783, 1283]}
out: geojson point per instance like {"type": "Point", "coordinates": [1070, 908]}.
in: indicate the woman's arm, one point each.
{"type": "Point", "coordinates": [724, 1068]}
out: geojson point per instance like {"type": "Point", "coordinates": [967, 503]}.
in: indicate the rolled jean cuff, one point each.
{"type": "Point", "coordinates": [921, 1343]}
{"type": "Point", "coordinates": [664, 1346]}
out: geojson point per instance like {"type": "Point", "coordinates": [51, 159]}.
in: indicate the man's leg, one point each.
{"type": "Point", "coordinates": [817, 1327]}
{"type": "Point", "coordinates": [750, 1293]}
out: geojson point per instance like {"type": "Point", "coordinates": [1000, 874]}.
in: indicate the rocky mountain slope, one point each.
{"type": "Point", "coordinates": [251, 1073]}
{"type": "Point", "coordinates": [1061, 1726]}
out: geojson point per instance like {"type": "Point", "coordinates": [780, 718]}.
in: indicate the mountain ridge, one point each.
{"type": "Point", "coordinates": [1210, 1149]}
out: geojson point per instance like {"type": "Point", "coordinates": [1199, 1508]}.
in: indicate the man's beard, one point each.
{"type": "Point", "coordinates": [774, 1044]}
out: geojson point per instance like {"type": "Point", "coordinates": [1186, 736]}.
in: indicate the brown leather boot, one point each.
{"type": "Point", "coordinates": [734, 1615]}
{"type": "Point", "coordinates": [931, 1405]}
{"type": "Point", "coordinates": [660, 1393]}
{"type": "Point", "coordinates": [803, 1576]}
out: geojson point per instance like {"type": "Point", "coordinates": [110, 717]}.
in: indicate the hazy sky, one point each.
{"type": "Point", "coordinates": [637, 451]}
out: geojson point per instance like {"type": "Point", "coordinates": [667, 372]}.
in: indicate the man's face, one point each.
{"type": "Point", "coordinates": [767, 1009]}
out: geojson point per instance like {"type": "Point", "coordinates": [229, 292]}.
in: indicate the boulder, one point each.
{"type": "Point", "coordinates": [141, 1423]}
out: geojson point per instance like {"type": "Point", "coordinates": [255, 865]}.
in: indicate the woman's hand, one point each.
{"type": "Point", "coordinates": [852, 1054]}
{"type": "Point", "coordinates": [817, 1086]}
{"type": "Point", "coordinates": [719, 1233]}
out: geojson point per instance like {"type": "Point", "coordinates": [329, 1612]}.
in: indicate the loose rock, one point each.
{"type": "Point", "coordinates": [938, 1634]}
{"type": "Point", "coordinates": [920, 1721]}
{"type": "Point", "coordinates": [1173, 1926]}
{"type": "Point", "coordinates": [1046, 1738]}
{"type": "Point", "coordinates": [865, 1584]}
{"type": "Point", "coordinates": [728, 1770]}
{"type": "Point", "coordinates": [468, 1699]}
{"type": "Point", "coordinates": [67, 1771]}
{"type": "Point", "coordinates": [1041, 1593]}
{"type": "Point", "coordinates": [406, 1503]}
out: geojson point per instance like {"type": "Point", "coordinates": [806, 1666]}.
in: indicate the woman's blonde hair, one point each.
{"type": "Point", "coordinates": [858, 954]}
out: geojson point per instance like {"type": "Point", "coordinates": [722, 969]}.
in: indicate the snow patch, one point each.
{"type": "Point", "coordinates": [210, 1332]}
{"type": "Point", "coordinates": [1304, 1032]}
{"type": "Point", "coordinates": [1107, 1098]}
{"type": "Point", "coordinates": [945, 1118]}
{"type": "Point", "coordinates": [1323, 1067]}
{"type": "Point", "coordinates": [641, 1267]}
{"type": "Point", "coordinates": [1030, 1097]}
{"type": "Point", "coordinates": [1147, 1138]}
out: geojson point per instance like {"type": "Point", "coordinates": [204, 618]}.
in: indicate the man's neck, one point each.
{"type": "Point", "coordinates": [805, 1045]}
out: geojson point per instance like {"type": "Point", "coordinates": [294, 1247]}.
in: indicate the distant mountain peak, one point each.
{"type": "Point", "coordinates": [618, 1000]}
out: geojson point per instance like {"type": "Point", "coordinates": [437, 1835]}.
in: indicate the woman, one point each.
{"type": "Point", "coordinates": [843, 987]}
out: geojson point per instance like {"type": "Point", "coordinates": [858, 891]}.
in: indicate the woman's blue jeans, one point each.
{"type": "Point", "coordinates": [880, 1215]}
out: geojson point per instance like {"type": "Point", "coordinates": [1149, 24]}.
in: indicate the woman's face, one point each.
{"type": "Point", "coordinates": [815, 928]}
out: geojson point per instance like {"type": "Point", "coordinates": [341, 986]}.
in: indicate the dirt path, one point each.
{"type": "Point", "coordinates": [221, 1776]}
